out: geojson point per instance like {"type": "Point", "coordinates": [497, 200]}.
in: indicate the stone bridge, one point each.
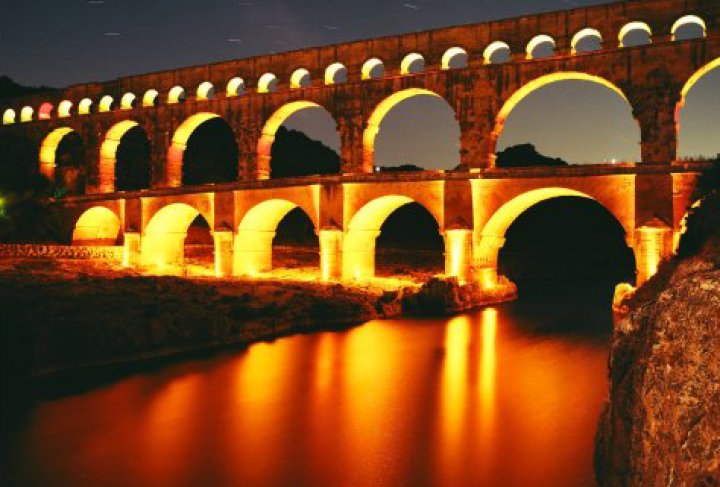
{"type": "Point", "coordinates": [481, 70]}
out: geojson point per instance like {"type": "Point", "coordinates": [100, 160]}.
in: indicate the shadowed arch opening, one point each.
{"type": "Point", "coordinates": [206, 91]}
{"type": "Point", "coordinates": [275, 234]}
{"type": "Point", "coordinates": [696, 115]}
{"type": "Point", "coordinates": [299, 139]}
{"type": "Point", "coordinates": [128, 101]}
{"type": "Point", "coordinates": [8, 116]}
{"type": "Point", "coordinates": [373, 69]}
{"type": "Point", "coordinates": [85, 106]}
{"type": "Point", "coordinates": [635, 34]}
{"type": "Point", "coordinates": [574, 135]}
{"type": "Point", "coordinates": [164, 240]}
{"type": "Point", "coordinates": [64, 108]}
{"type": "Point", "coordinates": [151, 98]}
{"type": "Point", "coordinates": [98, 226]}
{"type": "Point", "coordinates": [359, 246]}
{"type": "Point", "coordinates": [586, 40]}
{"type": "Point", "coordinates": [125, 158]}
{"type": "Point", "coordinates": [300, 79]}
{"type": "Point", "coordinates": [688, 27]}
{"type": "Point", "coordinates": [413, 63]}
{"type": "Point", "coordinates": [267, 83]}
{"type": "Point", "coordinates": [235, 87]}
{"type": "Point", "coordinates": [495, 232]}
{"type": "Point", "coordinates": [541, 46]}
{"type": "Point", "coordinates": [176, 95]}
{"type": "Point", "coordinates": [497, 52]}
{"type": "Point", "coordinates": [106, 104]}
{"type": "Point", "coordinates": [412, 129]}
{"type": "Point", "coordinates": [455, 58]}
{"type": "Point", "coordinates": [62, 160]}
{"type": "Point", "coordinates": [335, 74]}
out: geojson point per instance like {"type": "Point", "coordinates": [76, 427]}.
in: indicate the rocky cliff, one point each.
{"type": "Point", "coordinates": [661, 425]}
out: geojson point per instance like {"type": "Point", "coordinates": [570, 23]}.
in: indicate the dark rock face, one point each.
{"type": "Point", "coordinates": [661, 425]}
{"type": "Point", "coordinates": [446, 296]}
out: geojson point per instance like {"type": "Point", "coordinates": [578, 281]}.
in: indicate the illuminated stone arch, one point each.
{"type": "Point", "coordinates": [267, 138]}
{"type": "Point", "coordinates": [267, 83]}
{"type": "Point", "coordinates": [691, 82]}
{"type": "Point", "coordinates": [26, 114]}
{"type": "Point", "coordinates": [179, 143]}
{"type": "Point", "coordinates": [206, 91]}
{"type": "Point", "coordinates": [176, 95]}
{"type": "Point", "coordinates": [98, 226]}
{"type": "Point", "coordinates": [128, 100]}
{"type": "Point", "coordinates": [45, 111]}
{"type": "Point", "coordinates": [454, 58]}
{"type": "Point", "coordinates": [413, 63]}
{"type": "Point", "coordinates": [85, 106]}
{"type": "Point", "coordinates": [106, 104]}
{"type": "Point", "coordinates": [9, 116]}
{"type": "Point", "coordinates": [492, 234]}
{"type": "Point", "coordinates": [520, 94]}
{"type": "Point", "coordinates": [150, 98]}
{"type": "Point", "coordinates": [633, 27]}
{"type": "Point", "coordinates": [373, 68]}
{"type": "Point", "coordinates": [163, 240]}
{"type": "Point", "coordinates": [493, 49]}
{"type": "Point", "coordinates": [688, 20]}
{"type": "Point", "coordinates": [335, 74]}
{"type": "Point", "coordinates": [235, 87]}
{"type": "Point", "coordinates": [364, 228]}
{"type": "Point", "coordinates": [300, 79]}
{"type": "Point", "coordinates": [253, 243]}
{"type": "Point", "coordinates": [536, 42]}
{"type": "Point", "coordinates": [65, 108]}
{"type": "Point", "coordinates": [108, 154]}
{"type": "Point", "coordinates": [582, 35]}
{"type": "Point", "coordinates": [373, 124]}
{"type": "Point", "coordinates": [48, 151]}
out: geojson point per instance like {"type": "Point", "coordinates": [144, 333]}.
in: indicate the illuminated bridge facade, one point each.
{"type": "Point", "coordinates": [358, 83]}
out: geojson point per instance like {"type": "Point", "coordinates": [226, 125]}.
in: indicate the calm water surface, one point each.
{"type": "Point", "coordinates": [506, 396]}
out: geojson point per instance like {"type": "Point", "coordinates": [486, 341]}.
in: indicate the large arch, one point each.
{"type": "Point", "coordinates": [253, 243]}
{"type": "Point", "coordinates": [363, 230]}
{"type": "Point", "coordinates": [163, 240]}
{"type": "Point", "coordinates": [98, 226]}
{"type": "Point", "coordinates": [108, 171]}
{"type": "Point", "coordinates": [270, 129]}
{"type": "Point", "coordinates": [689, 85]}
{"type": "Point", "coordinates": [176, 152]}
{"type": "Point", "coordinates": [524, 91]}
{"type": "Point", "coordinates": [372, 130]}
{"type": "Point", "coordinates": [49, 150]}
{"type": "Point", "coordinates": [492, 235]}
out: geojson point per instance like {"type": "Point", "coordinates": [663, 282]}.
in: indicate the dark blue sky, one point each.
{"type": "Point", "coordinates": [60, 42]}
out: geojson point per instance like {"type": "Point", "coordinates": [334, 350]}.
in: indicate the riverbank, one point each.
{"type": "Point", "coordinates": [661, 424]}
{"type": "Point", "coordinates": [61, 315]}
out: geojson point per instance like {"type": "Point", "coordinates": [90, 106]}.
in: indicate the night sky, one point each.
{"type": "Point", "coordinates": [60, 42]}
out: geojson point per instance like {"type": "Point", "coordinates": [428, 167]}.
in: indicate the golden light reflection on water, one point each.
{"type": "Point", "coordinates": [473, 400]}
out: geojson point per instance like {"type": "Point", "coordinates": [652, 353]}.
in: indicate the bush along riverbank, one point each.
{"type": "Point", "coordinates": [63, 315]}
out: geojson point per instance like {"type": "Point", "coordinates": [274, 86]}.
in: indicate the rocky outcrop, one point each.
{"type": "Point", "coordinates": [74, 252]}
{"type": "Point", "coordinates": [661, 426]}
{"type": "Point", "coordinates": [445, 296]}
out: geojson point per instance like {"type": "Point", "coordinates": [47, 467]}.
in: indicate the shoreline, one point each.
{"type": "Point", "coordinates": [137, 319]}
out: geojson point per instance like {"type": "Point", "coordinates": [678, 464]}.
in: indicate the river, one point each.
{"type": "Point", "coordinates": [504, 396]}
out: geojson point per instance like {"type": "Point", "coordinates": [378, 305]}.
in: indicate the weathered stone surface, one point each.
{"type": "Point", "coordinates": [447, 296]}
{"type": "Point", "coordinates": [661, 426]}
{"type": "Point", "coordinates": [78, 252]}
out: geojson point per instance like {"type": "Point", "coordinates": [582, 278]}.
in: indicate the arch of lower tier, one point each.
{"type": "Point", "coordinates": [525, 90]}
{"type": "Point", "coordinates": [97, 226]}
{"type": "Point", "coordinates": [492, 235]}
{"type": "Point", "coordinates": [267, 138]}
{"type": "Point", "coordinates": [358, 261]}
{"type": "Point", "coordinates": [372, 128]}
{"type": "Point", "coordinates": [163, 240]}
{"type": "Point", "coordinates": [254, 239]}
